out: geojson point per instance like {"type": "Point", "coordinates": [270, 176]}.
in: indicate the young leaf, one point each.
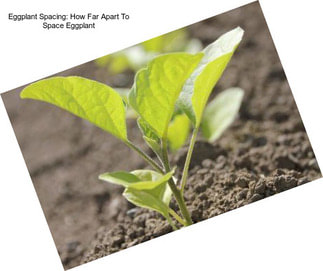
{"type": "Point", "coordinates": [154, 145]}
{"type": "Point", "coordinates": [153, 193]}
{"type": "Point", "coordinates": [156, 88]}
{"type": "Point", "coordinates": [88, 99]}
{"type": "Point", "coordinates": [178, 131]}
{"type": "Point", "coordinates": [220, 112]}
{"type": "Point", "coordinates": [145, 199]}
{"type": "Point", "coordinates": [199, 85]}
{"type": "Point", "coordinates": [146, 130]}
{"type": "Point", "coordinates": [163, 192]}
{"type": "Point", "coordinates": [150, 179]}
{"type": "Point", "coordinates": [144, 188]}
{"type": "Point", "coordinates": [140, 179]}
{"type": "Point", "coordinates": [149, 136]}
{"type": "Point", "coordinates": [120, 177]}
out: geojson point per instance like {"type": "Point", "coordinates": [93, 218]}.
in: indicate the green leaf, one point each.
{"type": "Point", "coordinates": [150, 180]}
{"type": "Point", "coordinates": [120, 177]}
{"type": "Point", "coordinates": [149, 136]}
{"type": "Point", "coordinates": [154, 145]}
{"type": "Point", "coordinates": [124, 93]}
{"type": "Point", "coordinates": [144, 188]}
{"type": "Point", "coordinates": [198, 87]}
{"type": "Point", "coordinates": [163, 192]}
{"type": "Point", "coordinates": [170, 42]}
{"type": "Point", "coordinates": [221, 112]}
{"type": "Point", "coordinates": [178, 131]}
{"type": "Point", "coordinates": [153, 193]}
{"type": "Point", "coordinates": [146, 130]}
{"type": "Point", "coordinates": [143, 198]}
{"type": "Point", "coordinates": [157, 87]}
{"type": "Point", "coordinates": [88, 99]}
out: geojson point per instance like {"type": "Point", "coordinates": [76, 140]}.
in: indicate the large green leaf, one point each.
{"type": "Point", "coordinates": [220, 112]}
{"type": "Point", "coordinates": [88, 99]}
{"type": "Point", "coordinates": [199, 85]}
{"type": "Point", "coordinates": [157, 87]}
{"type": "Point", "coordinates": [178, 131]}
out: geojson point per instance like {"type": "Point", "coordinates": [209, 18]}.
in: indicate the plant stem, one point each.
{"type": "Point", "coordinates": [188, 159]}
{"type": "Point", "coordinates": [177, 217]}
{"type": "Point", "coordinates": [150, 161]}
{"type": "Point", "coordinates": [169, 220]}
{"type": "Point", "coordinates": [164, 157]}
{"type": "Point", "coordinates": [177, 194]}
{"type": "Point", "coordinates": [147, 158]}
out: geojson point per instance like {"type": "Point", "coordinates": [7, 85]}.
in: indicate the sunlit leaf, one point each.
{"type": "Point", "coordinates": [150, 180]}
{"type": "Point", "coordinates": [199, 85]}
{"type": "Point", "coordinates": [157, 87]}
{"type": "Point", "coordinates": [88, 99]}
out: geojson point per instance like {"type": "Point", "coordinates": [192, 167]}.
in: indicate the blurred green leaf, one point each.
{"type": "Point", "coordinates": [199, 85]}
{"type": "Point", "coordinates": [88, 99]}
{"type": "Point", "coordinates": [118, 63]}
{"type": "Point", "coordinates": [170, 42]}
{"type": "Point", "coordinates": [221, 112]}
{"type": "Point", "coordinates": [103, 61]}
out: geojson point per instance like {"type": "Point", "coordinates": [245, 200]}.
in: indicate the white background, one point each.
{"type": "Point", "coordinates": [283, 232]}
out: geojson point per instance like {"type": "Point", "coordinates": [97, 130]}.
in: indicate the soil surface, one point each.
{"type": "Point", "coordinates": [265, 151]}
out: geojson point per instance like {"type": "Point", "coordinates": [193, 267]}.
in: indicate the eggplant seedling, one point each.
{"type": "Point", "coordinates": [169, 95]}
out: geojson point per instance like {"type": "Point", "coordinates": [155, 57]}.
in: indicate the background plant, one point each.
{"type": "Point", "coordinates": [137, 56]}
{"type": "Point", "coordinates": [173, 88]}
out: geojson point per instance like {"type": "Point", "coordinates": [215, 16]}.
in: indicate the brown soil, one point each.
{"type": "Point", "coordinates": [264, 152]}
